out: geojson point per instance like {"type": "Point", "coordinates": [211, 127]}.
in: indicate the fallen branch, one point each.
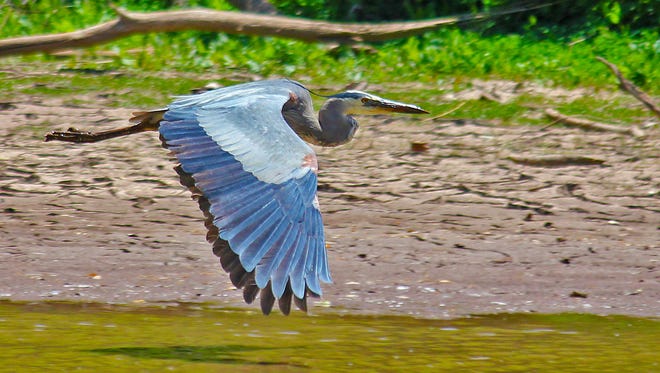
{"type": "Point", "coordinates": [555, 160]}
{"type": "Point", "coordinates": [129, 23]}
{"type": "Point", "coordinates": [589, 125]}
{"type": "Point", "coordinates": [631, 88]}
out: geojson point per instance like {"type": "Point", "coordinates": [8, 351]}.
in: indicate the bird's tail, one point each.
{"type": "Point", "coordinates": [142, 121]}
{"type": "Point", "coordinates": [148, 120]}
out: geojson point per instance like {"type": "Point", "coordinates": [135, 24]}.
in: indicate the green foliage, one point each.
{"type": "Point", "coordinates": [20, 17]}
{"type": "Point", "coordinates": [612, 11]}
{"type": "Point", "coordinates": [436, 56]}
{"type": "Point", "coordinates": [561, 16]}
{"type": "Point", "coordinates": [565, 19]}
{"type": "Point", "coordinates": [361, 10]}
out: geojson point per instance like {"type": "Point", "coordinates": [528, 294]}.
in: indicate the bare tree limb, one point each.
{"type": "Point", "coordinates": [631, 88]}
{"type": "Point", "coordinates": [590, 125]}
{"type": "Point", "coordinates": [129, 23]}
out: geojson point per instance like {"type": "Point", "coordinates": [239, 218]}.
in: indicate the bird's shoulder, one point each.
{"type": "Point", "coordinates": [263, 93]}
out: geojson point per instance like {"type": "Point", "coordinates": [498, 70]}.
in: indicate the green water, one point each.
{"type": "Point", "coordinates": [46, 337]}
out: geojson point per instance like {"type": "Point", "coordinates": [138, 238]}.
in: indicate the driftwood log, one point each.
{"type": "Point", "coordinates": [554, 160]}
{"type": "Point", "coordinates": [590, 125]}
{"type": "Point", "coordinates": [129, 23]}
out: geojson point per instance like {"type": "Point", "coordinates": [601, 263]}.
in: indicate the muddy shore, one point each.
{"type": "Point", "coordinates": [454, 230]}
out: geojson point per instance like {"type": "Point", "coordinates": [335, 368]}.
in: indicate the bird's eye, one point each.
{"type": "Point", "coordinates": [364, 100]}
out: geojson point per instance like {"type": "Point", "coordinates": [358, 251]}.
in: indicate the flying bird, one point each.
{"type": "Point", "coordinates": [243, 152]}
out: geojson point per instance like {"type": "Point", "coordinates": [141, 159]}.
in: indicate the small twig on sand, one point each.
{"type": "Point", "coordinates": [590, 125]}
{"type": "Point", "coordinates": [631, 88]}
{"type": "Point", "coordinates": [555, 160]}
{"type": "Point", "coordinates": [446, 112]}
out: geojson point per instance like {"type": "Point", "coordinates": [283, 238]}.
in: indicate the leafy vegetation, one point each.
{"type": "Point", "coordinates": [436, 57]}
{"type": "Point", "coordinates": [559, 16]}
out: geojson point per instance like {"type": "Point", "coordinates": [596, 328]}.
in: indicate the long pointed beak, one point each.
{"type": "Point", "coordinates": [380, 105]}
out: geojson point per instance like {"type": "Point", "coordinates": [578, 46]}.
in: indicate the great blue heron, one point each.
{"type": "Point", "coordinates": [242, 155]}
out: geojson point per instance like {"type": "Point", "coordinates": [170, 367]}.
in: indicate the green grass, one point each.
{"type": "Point", "coordinates": [126, 89]}
{"type": "Point", "coordinates": [143, 90]}
{"type": "Point", "coordinates": [613, 110]}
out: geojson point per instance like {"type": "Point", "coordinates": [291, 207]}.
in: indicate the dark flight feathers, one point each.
{"type": "Point", "coordinates": [231, 263]}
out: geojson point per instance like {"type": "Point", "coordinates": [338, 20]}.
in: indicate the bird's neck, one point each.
{"type": "Point", "coordinates": [337, 127]}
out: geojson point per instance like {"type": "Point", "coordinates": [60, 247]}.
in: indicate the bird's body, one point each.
{"type": "Point", "coordinates": [241, 153]}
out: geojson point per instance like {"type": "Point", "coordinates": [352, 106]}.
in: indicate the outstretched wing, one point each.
{"type": "Point", "coordinates": [255, 180]}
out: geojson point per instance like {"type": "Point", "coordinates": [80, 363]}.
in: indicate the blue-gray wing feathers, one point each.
{"type": "Point", "coordinates": [249, 165]}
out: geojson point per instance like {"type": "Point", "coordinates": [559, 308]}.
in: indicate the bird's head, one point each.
{"type": "Point", "coordinates": [358, 102]}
